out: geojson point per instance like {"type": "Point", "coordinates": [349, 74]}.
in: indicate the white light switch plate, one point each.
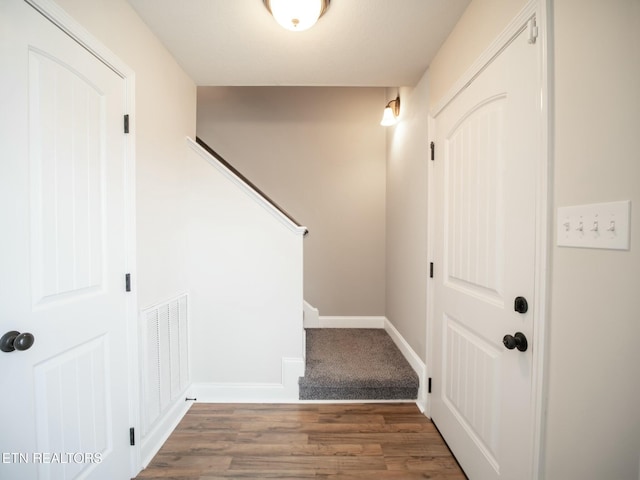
{"type": "Point", "coordinates": [597, 225]}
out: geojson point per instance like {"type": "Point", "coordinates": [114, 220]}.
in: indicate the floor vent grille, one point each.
{"type": "Point", "coordinates": [165, 357]}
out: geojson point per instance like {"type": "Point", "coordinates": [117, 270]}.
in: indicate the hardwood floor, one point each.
{"type": "Point", "coordinates": [304, 441]}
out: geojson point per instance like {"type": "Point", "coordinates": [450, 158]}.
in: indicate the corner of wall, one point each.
{"type": "Point", "coordinates": [311, 316]}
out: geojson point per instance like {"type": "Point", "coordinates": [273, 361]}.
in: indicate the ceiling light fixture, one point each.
{"type": "Point", "coordinates": [297, 15]}
{"type": "Point", "coordinates": [391, 112]}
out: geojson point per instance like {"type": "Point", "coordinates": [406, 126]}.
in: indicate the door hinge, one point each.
{"type": "Point", "coordinates": [429, 385]}
{"type": "Point", "coordinates": [533, 31]}
{"type": "Point", "coordinates": [431, 270]}
{"type": "Point", "coordinates": [127, 282]}
{"type": "Point", "coordinates": [126, 123]}
{"type": "Point", "coordinates": [433, 150]}
{"type": "Point", "coordinates": [132, 436]}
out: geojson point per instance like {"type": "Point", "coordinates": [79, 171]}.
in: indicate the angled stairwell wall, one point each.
{"type": "Point", "coordinates": [246, 298]}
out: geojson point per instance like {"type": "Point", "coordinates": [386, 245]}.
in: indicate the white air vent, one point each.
{"type": "Point", "coordinates": [165, 367]}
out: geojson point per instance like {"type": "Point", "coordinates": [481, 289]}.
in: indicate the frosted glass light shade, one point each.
{"type": "Point", "coordinates": [391, 112]}
{"type": "Point", "coordinates": [296, 15]}
{"type": "Point", "coordinates": [388, 117]}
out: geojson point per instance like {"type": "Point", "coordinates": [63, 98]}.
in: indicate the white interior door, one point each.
{"type": "Point", "coordinates": [485, 171]}
{"type": "Point", "coordinates": [65, 400]}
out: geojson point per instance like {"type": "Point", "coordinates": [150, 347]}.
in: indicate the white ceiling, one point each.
{"type": "Point", "coordinates": [376, 43]}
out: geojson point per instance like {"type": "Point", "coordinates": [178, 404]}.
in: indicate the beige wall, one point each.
{"type": "Point", "coordinates": [406, 245]}
{"type": "Point", "coordinates": [480, 24]}
{"type": "Point", "coordinates": [407, 160]}
{"type": "Point", "coordinates": [165, 113]}
{"type": "Point", "coordinates": [593, 420]}
{"type": "Point", "coordinates": [320, 154]}
{"type": "Point", "coordinates": [594, 378]}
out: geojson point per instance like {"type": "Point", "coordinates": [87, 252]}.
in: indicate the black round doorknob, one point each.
{"type": "Point", "coordinates": [14, 340]}
{"type": "Point", "coordinates": [518, 341]}
{"type": "Point", "coordinates": [23, 341]}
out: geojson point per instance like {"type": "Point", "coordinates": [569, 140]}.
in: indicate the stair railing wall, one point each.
{"type": "Point", "coordinates": [246, 278]}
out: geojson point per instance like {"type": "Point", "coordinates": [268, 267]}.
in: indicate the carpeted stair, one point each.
{"type": "Point", "coordinates": [355, 364]}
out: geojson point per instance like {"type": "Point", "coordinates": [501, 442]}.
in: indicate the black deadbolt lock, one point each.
{"type": "Point", "coordinates": [520, 305]}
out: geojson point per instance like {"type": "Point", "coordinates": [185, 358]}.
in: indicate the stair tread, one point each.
{"type": "Point", "coordinates": [355, 364]}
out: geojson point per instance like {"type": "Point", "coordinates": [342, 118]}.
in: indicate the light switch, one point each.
{"type": "Point", "coordinates": [597, 225]}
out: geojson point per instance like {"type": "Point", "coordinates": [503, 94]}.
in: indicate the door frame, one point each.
{"type": "Point", "coordinates": [56, 15]}
{"type": "Point", "coordinates": [542, 279]}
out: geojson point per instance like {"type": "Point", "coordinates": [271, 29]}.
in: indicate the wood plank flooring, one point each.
{"type": "Point", "coordinates": [304, 441]}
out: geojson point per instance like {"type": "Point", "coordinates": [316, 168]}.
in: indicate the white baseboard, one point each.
{"type": "Point", "coordinates": [352, 322]}
{"type": "Point", "coordinates": [311, 316]}
{"type": "Point", "coordinates": [414, 360]}
{"type": "Point", "coordinates": [293, 368]}
{"type": "Point", "coordinates": [285, 392]}
{"type": "Point", "coordinates": [151, 443]}
{"type": "Point", "coordinates": [423, 398]}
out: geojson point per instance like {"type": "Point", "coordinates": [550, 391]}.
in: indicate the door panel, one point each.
{"type": "Point", "coordinates": [62, 255]}
{"type": "Point", "coordinates": [472, 384]}
{"type": "Point", "coordinates": [474, 230]}
{"type": "Point", "coordinates": [68, 174]}
{"type": "Point", "coordinates": [484, 237]}
{"type": "Point", "coordinates": [72, 405]}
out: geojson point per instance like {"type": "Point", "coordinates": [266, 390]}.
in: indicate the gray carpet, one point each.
{"type": "Point", "coordinates": [355, 364]}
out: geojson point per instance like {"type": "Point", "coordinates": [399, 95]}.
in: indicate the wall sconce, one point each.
{"type": "Point", "coordinates": [391, 112]}
{"type": "Point", "coordinates": [296, 15]}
